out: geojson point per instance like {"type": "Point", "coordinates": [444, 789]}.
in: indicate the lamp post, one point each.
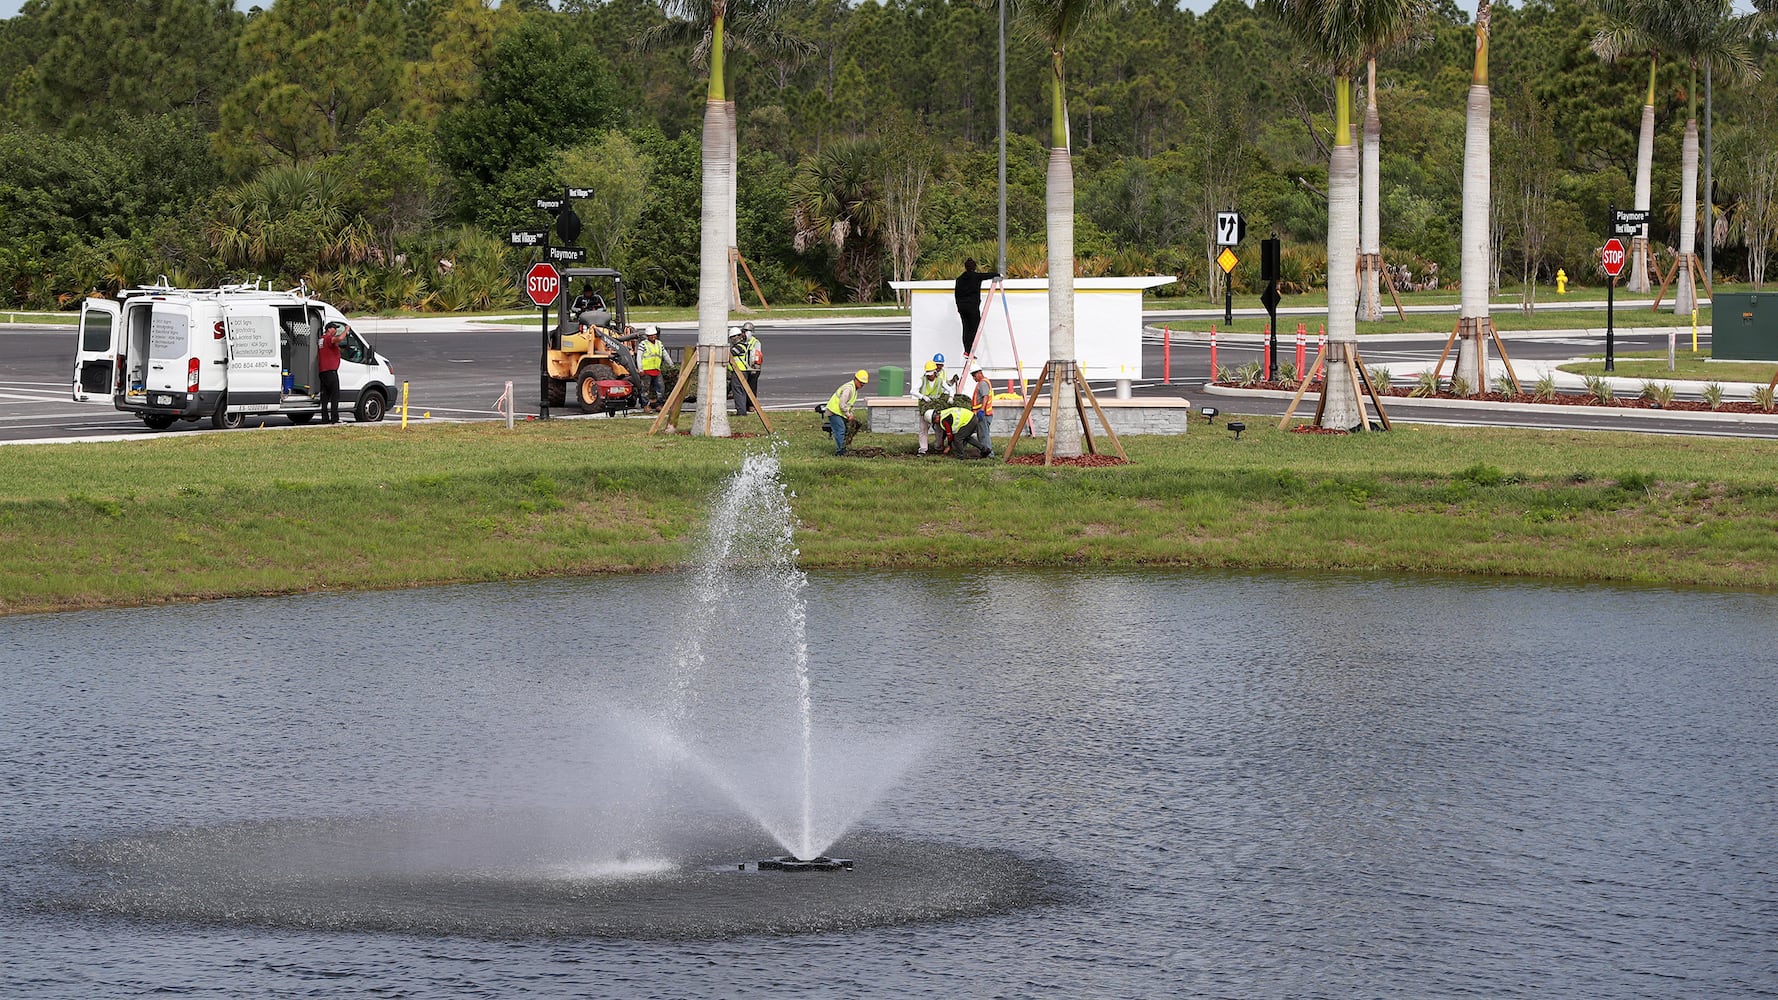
{"type": "Point", "coordinates": [1000, 265]}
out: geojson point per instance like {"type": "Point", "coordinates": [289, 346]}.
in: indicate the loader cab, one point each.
{"type": "Point", "coordinates": [605, 282]}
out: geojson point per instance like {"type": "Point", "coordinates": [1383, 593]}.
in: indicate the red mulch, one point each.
{"type": "Point", "coordinates": [1081, 462]}
{"type": "Point", "coordinates": [1627, 402]}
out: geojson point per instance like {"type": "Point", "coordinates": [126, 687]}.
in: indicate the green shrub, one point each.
{"type": "Point", "coordinates": [1713, 395]}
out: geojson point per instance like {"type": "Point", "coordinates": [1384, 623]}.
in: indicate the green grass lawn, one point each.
{"type": "Point", "coordinates": [1688, 365]}
{"type": "Point", "coordinates": [200, 516]}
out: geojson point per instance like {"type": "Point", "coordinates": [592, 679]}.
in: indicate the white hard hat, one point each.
{"type": "Point", "coordinates": [652, 330]}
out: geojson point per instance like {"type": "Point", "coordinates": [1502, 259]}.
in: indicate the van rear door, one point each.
{"type": "Point", "coordinates": [95, 352]}
{"type": "Point", "coordinates": [169, 348]}
{"type": "Point", "coordinates": [255, 367]}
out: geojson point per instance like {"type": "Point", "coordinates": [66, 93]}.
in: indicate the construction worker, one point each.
{"type": "Point", "coordinates": [737, 365]}
{"type": "Point", "coordinates": [928, 397]}
{"type": "Point", "coordinates": [968, 293]}
{"type": "Point", "coordinates": [651, 357]}
{"type": "Point", "coordinates": [839, 408]}
{"type": "Point", "coordinates": [756, 356]}
{"type": "Point", "coordinates": [981, 400]}
{"type": "Point", "coordinates": [958, 426]}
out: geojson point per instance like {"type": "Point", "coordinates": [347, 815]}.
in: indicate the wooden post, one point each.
{"type": "Point", "coordinates": [1081, 383]}
{"type": "Point", "coordinates": [669, 415]}
{"type": "Point", "coordinates": [1025, 415]}
{"type": "Point", "coordinates": [1300, 389]}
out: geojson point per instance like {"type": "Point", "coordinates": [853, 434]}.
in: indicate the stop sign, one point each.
{"type": "Point", "coordinates": [543, 283]}
{"type": "Point", "coordinates": [1612, 256]}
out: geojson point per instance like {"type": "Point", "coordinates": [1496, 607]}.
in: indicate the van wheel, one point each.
{"type": "Point", "coordinates": [301, 418]}
{"type": "Point", "coordinates": [587, 386]}
{"type": "Point", "coordinates": [158, 421]}
{"type": "Point", "coordinates": [223, 420]}
{"type": "Point", "coordinates": [370, 408]}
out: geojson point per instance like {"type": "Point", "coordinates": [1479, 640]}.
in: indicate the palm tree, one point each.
{"type": "Point", "coordinates": [1475, 321]}
{"type": "Point", "coordinates": [1343, 34]}
{"type": "Point", "coordinates": [1054, 22]}
{"type": "Point", "coordinates": [1622, 34]}
{"type": "Point", "coordinates": [1369, 196]}
{"type": "Point", "coordinates": [1700, 33]}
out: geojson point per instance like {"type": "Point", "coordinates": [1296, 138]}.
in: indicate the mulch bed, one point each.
{"type": "Point", "coordinates": [1079, 462]}
{"type": "Point", "coordinates": [1625, 402]}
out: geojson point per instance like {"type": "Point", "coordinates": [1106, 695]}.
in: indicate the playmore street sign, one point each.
{"type": "Point", "coordinates": [1628, 222]}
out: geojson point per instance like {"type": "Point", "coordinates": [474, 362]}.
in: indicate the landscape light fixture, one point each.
{"type": "Point", "coordinates": [1209, 413]}
{"type": "Point", "coordinates": [1236, 426]}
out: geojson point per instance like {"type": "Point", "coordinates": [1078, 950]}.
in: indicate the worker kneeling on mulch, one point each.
{"type": "Point", "coordinates": [958, 426]}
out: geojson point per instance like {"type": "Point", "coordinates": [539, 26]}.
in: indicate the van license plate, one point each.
{"type": "Point", "coordinates": [163, 401]}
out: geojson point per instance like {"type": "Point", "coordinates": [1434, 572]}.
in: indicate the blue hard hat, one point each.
{"type": "Point", "coordinates": [939, 358]}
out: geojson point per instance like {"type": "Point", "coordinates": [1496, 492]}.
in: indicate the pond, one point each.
{"type": "Point", "coordinates": [1088, 784]}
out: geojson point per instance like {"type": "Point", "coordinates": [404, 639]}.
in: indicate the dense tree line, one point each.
{"type": "Point", "coordinates": [380, 149]}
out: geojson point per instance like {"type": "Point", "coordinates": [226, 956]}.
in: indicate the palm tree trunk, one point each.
{"type": "Point", "coordinates": [1059, 217]}
{"type": "Point", "coordinates": [1059, 211]}
{"type": "Point", "coordinates": [1645, 159]}
{"type": "Point", "coordinates": [1685, 291]}
{"type": "Point", "coordinates": [713, 285]}
{"type": "Point", "coordinates": [1371, 213]}
{"type": "Point", "coordinates": [1477, 277]}
{"type": "Point", "coordinates": [1340, 407]}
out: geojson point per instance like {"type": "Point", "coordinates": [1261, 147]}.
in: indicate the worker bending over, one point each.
{"type": "Point", "coordinates": [840, 406]}
{"type": "Point", "coordinates": [958, 426]}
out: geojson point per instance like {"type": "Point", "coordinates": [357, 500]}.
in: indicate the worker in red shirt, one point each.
{"type": "Point", "coordinates": [329, 364]}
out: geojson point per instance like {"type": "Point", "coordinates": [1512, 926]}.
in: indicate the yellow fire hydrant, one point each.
{"type": "Point", "coordinates": [1561, 282]}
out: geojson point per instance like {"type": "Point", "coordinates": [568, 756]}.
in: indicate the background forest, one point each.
{"type": "Point", "coordinates": [381, 149]}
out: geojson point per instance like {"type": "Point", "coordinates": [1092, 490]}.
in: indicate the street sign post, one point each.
{"type": "Point", "coordinates": [1227, 261]}
{"type": "Point", "coordinates": [1611, 256]}
{"type": "Point", "coordinates": [1271, 270]}
{"type": "Point", "coordinates": [542, 284]}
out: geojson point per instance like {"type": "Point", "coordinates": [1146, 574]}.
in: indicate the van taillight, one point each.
{"type": "Point", "coordinates": [218, 329]}
{"type": "Point", "coordinates": [191, 376]}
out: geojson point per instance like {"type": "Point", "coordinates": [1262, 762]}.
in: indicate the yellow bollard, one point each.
{"type": "Point", "coordinates": [1694, 328]}
{"type": "Point", "coordinates": [404, 405]}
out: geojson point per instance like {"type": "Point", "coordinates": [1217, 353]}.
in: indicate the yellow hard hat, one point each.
{"type": "Point", "coordinates": [932, 366]}
{"type": "Point", "coordinates": [861, 375]}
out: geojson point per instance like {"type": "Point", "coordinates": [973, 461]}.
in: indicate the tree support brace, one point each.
{"type": "Point", "coordinates": [1083, 395]}
{"type": "Point", "coordinates": [669, 415]}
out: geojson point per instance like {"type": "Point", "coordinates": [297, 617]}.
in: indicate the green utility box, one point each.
{"type": "Point", "coordinates": [892, 380]}
{"type": "Point", "coordinates": [1744, 326]}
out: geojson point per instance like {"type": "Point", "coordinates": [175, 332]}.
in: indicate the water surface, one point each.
{"type": "Point", "coordinates": [1211, 785]}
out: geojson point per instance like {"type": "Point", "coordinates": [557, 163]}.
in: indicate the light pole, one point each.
{"type": "Point", "coordinates": [1000, 265]}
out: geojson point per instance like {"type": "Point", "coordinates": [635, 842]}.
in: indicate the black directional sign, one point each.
{"type": "Point", "coordinates": [578, 192]}
{"type": "Point", "coordinates": [528, 237]}
{"type": "Point", "coordinates": [1627, 222]}
{"type": "Point", "coordinates": [551, 204]}
{"type": "Point", "coordinates": [572, 255]}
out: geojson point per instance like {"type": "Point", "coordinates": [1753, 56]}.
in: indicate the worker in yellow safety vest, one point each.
{"type": "Point", "coordinates": [840, 406]}
{"type": "Point", "coordinates": [927, 398]}
{"type": "Point", "coordinates": [958, 426]}
{"type": "Point", "coordinates": [651, 357]}
{"type": "Point", "coordinates": [737, 369]}
{"type": "Point", "coordinates": [756, 356]}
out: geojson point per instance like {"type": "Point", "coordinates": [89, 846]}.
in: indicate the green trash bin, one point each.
{"type": "Point", "coordinates": [892, 380]}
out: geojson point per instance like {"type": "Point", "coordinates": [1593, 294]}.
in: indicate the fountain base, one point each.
{"type": "Point", "coordinates": [787, 863]}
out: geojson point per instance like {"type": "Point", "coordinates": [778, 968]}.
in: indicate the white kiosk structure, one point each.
{"type": "Point", "coordinates": [1014, 342]}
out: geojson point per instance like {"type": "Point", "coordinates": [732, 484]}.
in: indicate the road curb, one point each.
{"type": "Point", "coordinates": [1490, 406]}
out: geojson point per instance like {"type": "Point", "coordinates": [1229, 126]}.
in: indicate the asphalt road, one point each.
{"type": "Point", "coordinates": [458, 373]}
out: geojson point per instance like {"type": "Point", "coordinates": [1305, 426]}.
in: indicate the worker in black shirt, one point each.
{"type": "Point", "coordinates": [969, 302]}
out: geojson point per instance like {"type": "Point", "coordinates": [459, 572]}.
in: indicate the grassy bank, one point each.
{"type": "Point", "coordinates": [199, 516]}
{"type": "Point", "coordinates": [1687, 364]}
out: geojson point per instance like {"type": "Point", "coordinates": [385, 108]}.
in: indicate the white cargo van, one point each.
{"type": "Point", "coordinates": [228, 354]}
